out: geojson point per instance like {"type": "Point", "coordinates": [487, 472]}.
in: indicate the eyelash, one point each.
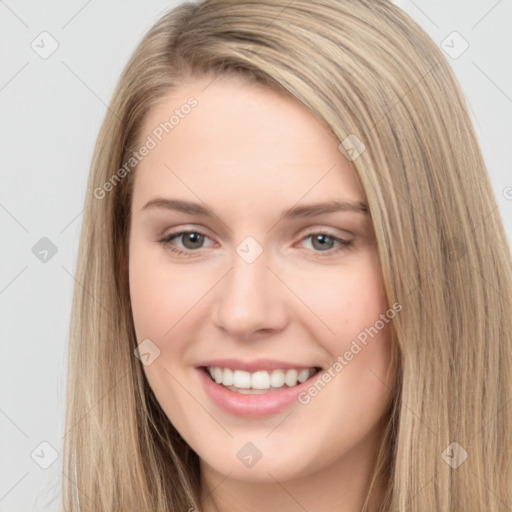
{"type": "Point", "coordinates": [343, 244]}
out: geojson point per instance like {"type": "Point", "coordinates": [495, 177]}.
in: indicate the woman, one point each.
{"type": "Point", "coordinates": [297, 289]}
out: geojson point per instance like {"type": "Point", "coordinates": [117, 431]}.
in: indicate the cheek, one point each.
{"type": "Point", "coordinates": [348, 305]}
{"type": "Point", "coordinates": [161, 302]}
{"type": "Point", "coordinates": [149, 303]}
{"type": "Point", "coordinates": [343, 301]}
{"type": "Point", "coordinates": [160, 296]}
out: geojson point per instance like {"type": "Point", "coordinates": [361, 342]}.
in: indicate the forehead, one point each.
{"type": "Point", "coordinates": [228, 137]}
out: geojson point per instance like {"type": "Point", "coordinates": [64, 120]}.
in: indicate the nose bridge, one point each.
{"type": "Point", "coordinates": [248, 299]}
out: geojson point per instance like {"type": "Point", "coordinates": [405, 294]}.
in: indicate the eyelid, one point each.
{"type": "Point", "coordinates": [343, 243]}
{"type": "Point", "coordinates": [184, 231]}
{"type": "Point", "coordinates": [302, 235]}
{"type": "Point", "coordinates": [334, 232]}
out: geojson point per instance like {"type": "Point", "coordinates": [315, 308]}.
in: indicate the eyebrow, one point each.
{"type": "Point", "coordinates": [304, 211]}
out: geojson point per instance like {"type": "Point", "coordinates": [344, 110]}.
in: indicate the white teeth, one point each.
{"type": "Point", "coordinates": [246, 382]}
{"type": "Point", "coordinates": [291, 378]}
{"type": "Point", "coordinates": [260, 380]}
{"type": "Point", "coordinates": [277, 378]}
{"type": "Point", "coordinates": [227, 378]}
{"type": "Point", "coordinates": [241, 379]}
{"type": "Point", "coordinates": [303, 375]}
{"type": "Point", "coordinates": [217, 375]}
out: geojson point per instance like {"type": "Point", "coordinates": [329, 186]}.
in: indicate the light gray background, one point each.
{"type": "Point", "coordinates": [51, 112]}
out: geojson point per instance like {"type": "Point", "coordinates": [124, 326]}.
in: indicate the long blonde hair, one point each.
{"type": "Point", "coordinates": [375, 79]}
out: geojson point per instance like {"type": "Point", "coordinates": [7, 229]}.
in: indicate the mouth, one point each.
{"type": "Point", "coordinates": [259, 382]}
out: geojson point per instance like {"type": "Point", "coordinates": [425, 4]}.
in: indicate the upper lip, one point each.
{"type": "Point", "coordinates": [255, 365]}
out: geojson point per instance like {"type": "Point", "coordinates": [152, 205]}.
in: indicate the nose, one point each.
{"type": "Point", "coordinates": [249, 300]}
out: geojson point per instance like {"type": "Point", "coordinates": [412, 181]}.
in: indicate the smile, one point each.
{"type": "Point", "coordinates": [255, 389]}
{"type": "Point", "coordinates": [259, 382]}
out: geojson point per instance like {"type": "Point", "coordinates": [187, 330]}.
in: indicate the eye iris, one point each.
{"type": "Point", "coordinates": [324, 241]}
{"type": "Point", "coordinates": [196, 240]}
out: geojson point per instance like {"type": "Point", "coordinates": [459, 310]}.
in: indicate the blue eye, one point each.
{"type": "Point", "coordinates": [191, 241]}
{"type": "Point", "coordinates": [325, 242]}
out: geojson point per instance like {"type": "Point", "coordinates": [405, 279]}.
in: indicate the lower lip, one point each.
{"type": "Point", "coordinates": [252, 406]}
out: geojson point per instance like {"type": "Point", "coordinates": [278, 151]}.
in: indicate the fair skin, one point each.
{"type": "Point", "coordinates": [249, 154]}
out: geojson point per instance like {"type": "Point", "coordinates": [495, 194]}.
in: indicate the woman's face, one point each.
{"type": "Point", "coordinates": [271, 282]}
